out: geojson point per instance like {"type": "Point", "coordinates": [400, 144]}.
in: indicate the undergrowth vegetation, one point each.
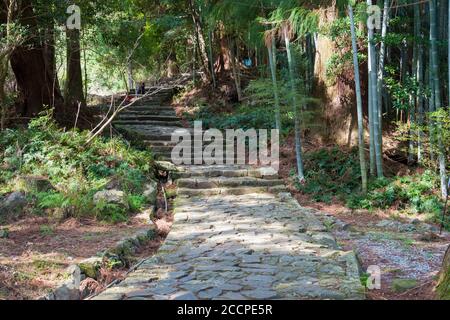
{"type": "Point", "coordinates": [257, 111]}
{"type": "Point", "coordinates": [335, 174]}
{"type": "Point", "coordinates": [75, 171]}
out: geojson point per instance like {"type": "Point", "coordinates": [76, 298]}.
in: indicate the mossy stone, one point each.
{"type": "Point", "coordinates": [402, 285]}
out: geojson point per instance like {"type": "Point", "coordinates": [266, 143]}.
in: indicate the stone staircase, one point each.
{"type": "Point", "coordinates": [155, 120]}
{"type": "Point", "coordinates": [228, 180]}
{"type": "Point", "coordinates": [236, 234]}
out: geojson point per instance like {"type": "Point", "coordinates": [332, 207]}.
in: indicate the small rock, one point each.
{"type": "Point", "coordinates": [402, 285]}
{"type": "Point", "coordinates": [67, 292]}
{"type": "Point", "coordinates": [430, 237]}
{"type": "Point", "coordinates": [70, 290]}
{"type": "Point", "coordinates": [111, 196]}
{"type": "Point", "coordinates": [75, 275]}
{"type": "Point", "coordinates": [91, 266]}
{"type": "Point", "coordinates": [13, 204]}
{"type": "Point", "coordinates": [34, 184]}
{"type": "Point", "coordinates": [284, 196]}
{"type": "Point", "coordinates": [151, 191]}
{"type": "Point", "coordinates": [166, 166]}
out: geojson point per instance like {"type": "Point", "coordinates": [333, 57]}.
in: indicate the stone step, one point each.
{"type": "Point", "coordinates": [167, 151]}
{"type": "Point", "coordinates": [160, 143]}
{"type": "Point", "coordinates": [168, 157]}
{"type": "Point", "coordinates": [149, 123]}
{"type": "Point", "coordinates": [149, 112]}
{"type": "Point", "coordinates": [169, 147]}
{"type": "Point", "coordinates": [144, 117]}
{"type": "Point", "coordinates": [226, 182]}
{"type": "Point", "coordinates": [158, 91]}
{"type": "Point", "coordinates": [150, 137]}
{"type": "Point", "coordinates": [157, 107]}
{"type": "Point", "coordinates": [232, 171]}
{"type": "Point", "coordinates": [229, 191]}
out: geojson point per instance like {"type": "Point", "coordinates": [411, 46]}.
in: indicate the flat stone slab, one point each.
{"type": "Point", "coordinates": [254, 246]}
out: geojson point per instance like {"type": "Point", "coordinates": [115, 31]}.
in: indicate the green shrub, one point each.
{"type": "Point", "coordinates": [335, 173]}
{"type": "Point", "coordinates": [110, 212]}
{"type": "Point", "coordinates": [330, 173]}
{"type": "Point", "coordinates": [75, 169]}
{"type": "Point", "coordinates": [136, 202]}
{"type": "Point", "coordinates": [413, 194]}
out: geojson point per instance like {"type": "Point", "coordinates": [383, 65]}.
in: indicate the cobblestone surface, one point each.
{"type": "Point", "coordinates": [254, 246]}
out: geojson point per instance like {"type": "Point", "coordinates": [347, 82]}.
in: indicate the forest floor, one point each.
{"type": "Point", "coordinates": [403, 246]}
{"type": "Point", "coordinates": [35, 256]}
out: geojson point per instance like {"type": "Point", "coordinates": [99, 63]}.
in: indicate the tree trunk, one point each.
{"type": "Point", "coordinates": [4, 62]}
{"type": "Point", "coordinates": [362, 157]}
{"type": "Point", "coordinates": [375, 115]}
{"type": "Point", "coordinates": [211, 60]}
{"type": "Point", "coordinates": [437, 94]}
{"type": "Point", "coordinates": [419, 77]}
{"type": "Point", "coordinates": [381, 63]}
{"type": "Point", "coordinates": [273, 70]}
{"type": "Point", "coordinates": [73, 90]}
{"type": "Point", "coordinates": [443, 287]}
{"type": "Point", "coordinates": [28, 61]}
{"type": "Point", "coordinates": [236, 69]}
{"type": "Point", "coordinates": [298, 138]}
{"type": "Point", "coordinates": [200, 39]}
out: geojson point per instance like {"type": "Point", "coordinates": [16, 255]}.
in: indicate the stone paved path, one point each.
{"type": "Point", "coordinates": [238, 235]}
{"type": "Point", "coordinates": [253, 246]}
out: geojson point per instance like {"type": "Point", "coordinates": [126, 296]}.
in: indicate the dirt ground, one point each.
{"type": "Point", "coordinates": [403, 254]}
{"type": "Point", "coordinates": [37, 252]}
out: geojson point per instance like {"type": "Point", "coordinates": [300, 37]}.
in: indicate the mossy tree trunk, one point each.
{"type": "Point", "coordinates": [443, 287]}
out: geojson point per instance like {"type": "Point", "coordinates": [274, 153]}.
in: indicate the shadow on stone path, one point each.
{"type": "Point", "coordinates": [253, 246]}
{"type": "Point", "coordinates": [233, 237]}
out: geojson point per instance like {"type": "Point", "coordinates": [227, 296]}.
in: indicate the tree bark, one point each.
{"type": "Point", "coordinates": [375, 115]}
{"type": "Point", "coordinates": [443, 287]}
{"type": "Point", "coordinates": [73, 91]}
{"type": "Point", "coordinates": [419, 77]}
{"type": "Point", "coordinates": [362, 157]}
{"type": "Point", "coordinates": [29, 64]}
{"type": "Point", "coordinates": [298, 138]}
{"type": "Point", "coordinates": [381, 63]}
{"type": "Point", "coordinates": [200, 39]}
{"type": "Point", "coordinates": [437, 93]}
{"type": "Point", "coordinates": [271, 47]}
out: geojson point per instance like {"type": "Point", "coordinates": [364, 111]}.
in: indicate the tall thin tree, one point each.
{"type": "Point", "coordinates": [381, 61]}
{"type": "Point", "coordinates": [286, 30]}
{"type": "Point", "coordinates": [271, 48]}
{"type": "Point", "coordinates": [362, 157]}
{"type": "Point", "coordinates": [437, 93]}
{"type": "Point", "coordinates": [374, 100]}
